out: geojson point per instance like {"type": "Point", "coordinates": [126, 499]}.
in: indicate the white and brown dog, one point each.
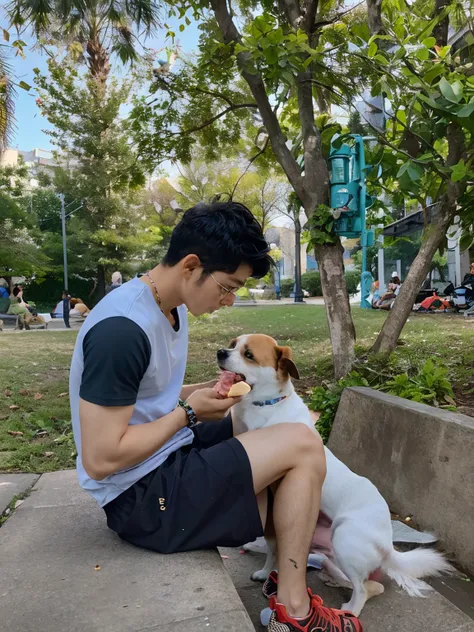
{"type": "Point", "coordinates": [359, 517]}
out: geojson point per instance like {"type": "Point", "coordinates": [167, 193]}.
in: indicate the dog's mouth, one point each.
{"type": "Point", "coordinates": [238, 377]}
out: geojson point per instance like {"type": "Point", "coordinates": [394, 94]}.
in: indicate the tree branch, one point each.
{"type": "Point", "coordinates": [213, 119]}
{"type": "Point", "coordinates": [316, 177]}
{"type": "Point", "coordinates": [309, 16]}
{"type": "Point", "coordinates": [257, 87]}
{"type": "Point", "coordinates": [384, 141]}
{"type": "Point", "coordinates": [251, 161]}
{"type": "Point", "coordinates": [294, 12]}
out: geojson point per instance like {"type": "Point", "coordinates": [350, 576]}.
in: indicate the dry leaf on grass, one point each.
{"type": "Point", "coordinates": [63, 394]}
{"type": "Point", "coordinates": [49, 454]}
{"type": "Point", "coordinates": [38, 396]}
{"type": "Point", "coordinates": [13, 407]}
{"type": "Point", "coordinates": [7, 393]}
{"type": "Point", "coordinates": [15, 433]}
{"type": "Point", "coordinates": [23, 391]}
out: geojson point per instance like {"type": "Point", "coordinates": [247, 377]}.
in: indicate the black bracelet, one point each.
{"type": "Point", "coordinates": [191, 415]}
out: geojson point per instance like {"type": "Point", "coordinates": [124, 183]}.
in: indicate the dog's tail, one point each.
{"type": "Point", "coordinates": [407, 568]}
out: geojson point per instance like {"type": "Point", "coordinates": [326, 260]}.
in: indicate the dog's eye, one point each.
{"type": "Point", "coordinates": [249, 355]}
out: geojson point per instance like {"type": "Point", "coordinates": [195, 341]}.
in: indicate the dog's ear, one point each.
{"type": "Point", "coordinates": [285, 363]}
{"type": "Point", "coordinates": [232, 343]}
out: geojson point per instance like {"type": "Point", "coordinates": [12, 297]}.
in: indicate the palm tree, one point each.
{"type": "Point", "coordinates": [95, 29]}
{"type": "Point", "coordinates": [7, 92]}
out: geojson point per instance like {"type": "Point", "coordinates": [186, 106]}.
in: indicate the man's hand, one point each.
{"type": "Point", "coordinates": [208, 406]}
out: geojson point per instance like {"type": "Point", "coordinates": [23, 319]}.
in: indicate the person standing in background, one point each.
{"type": "Point", "coordinates": [66, 308]}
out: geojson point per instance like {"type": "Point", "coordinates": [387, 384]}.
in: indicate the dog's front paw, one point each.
{"type": "Point", "coordinates": [259, 576]}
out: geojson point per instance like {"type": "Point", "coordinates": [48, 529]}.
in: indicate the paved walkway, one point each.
{"type": "Point", "coordinates": [394, 611]}
{"type": "Point", "coordinates": [62, 570]}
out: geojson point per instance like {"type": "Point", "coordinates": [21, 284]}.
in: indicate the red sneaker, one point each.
{"type": "Point", "coordinates": [319, 619]}
{"type": "Point", "coordinates": [269, 588]}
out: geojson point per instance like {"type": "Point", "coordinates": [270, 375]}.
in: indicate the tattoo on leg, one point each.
{"type": "Point", "coordinates": [294, 563]}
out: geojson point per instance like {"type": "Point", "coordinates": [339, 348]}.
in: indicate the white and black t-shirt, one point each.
{"type": "Point", "coordinates": [127, 353]}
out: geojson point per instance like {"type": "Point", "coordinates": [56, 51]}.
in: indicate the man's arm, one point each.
{"type": "Point", "coordinates": [109, 444]}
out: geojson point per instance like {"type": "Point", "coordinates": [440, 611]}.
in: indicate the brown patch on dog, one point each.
{"type": "Point", "coordinates": [286, 366]}
{"type": "Point", "coordinates": [266, 352]}
{"type": "Point", "coordinates": [263, 349]}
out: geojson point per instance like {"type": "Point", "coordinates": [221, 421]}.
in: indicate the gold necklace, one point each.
{"type": "Point", "coordinates": [158, 297]}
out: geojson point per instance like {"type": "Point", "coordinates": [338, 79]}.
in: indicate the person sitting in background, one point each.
{"type": "Point", "coordinates": [19, 308]}
{"type": "Point", "coordinates": [469, 276]}
{"type": "Point", "coordinates": [4, 289]}
{"type": "Point", "coordinates": [386, 301]}
{"type": "Point", "coordinates": [18, 294]}
{"type": "Point", "coordinates": [78, 308]}
{"type": "Point", "coordinates": [374, 296]}
{"type": "Point", "coordinates": [116, 282]}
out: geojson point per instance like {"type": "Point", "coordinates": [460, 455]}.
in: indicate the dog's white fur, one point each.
{"type": "Point", "coordinates": [361, 523]}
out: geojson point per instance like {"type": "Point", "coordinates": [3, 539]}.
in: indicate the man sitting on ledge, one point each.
{"type": "Point", "coordinates": [165, 482]}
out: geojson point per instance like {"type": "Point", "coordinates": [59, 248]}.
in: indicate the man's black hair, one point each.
{"type": "Point", "coordinates": [223, 235]}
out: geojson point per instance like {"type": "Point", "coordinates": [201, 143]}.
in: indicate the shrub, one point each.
{"type": "Point", "coordinates": [428, 384]}
{"type": "Point", "coordinates": [352, 281]}
{"type": "Point", "coordinates": [311, 282]}
{"type": "Point", "coordinates": [286, 287]}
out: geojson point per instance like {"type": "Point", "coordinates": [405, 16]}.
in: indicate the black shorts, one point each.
{"type": "Point", "coordinates": [201, 497]}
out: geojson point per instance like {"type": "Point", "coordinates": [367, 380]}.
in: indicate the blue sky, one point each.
{"type": "Point", "coordinates": [29, 123]}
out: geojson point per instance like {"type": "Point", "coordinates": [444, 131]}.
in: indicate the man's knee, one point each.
{"type": "Point", "coordinates": [307, 446]}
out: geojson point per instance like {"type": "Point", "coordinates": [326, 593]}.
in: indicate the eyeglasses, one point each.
{"type": "Point", "coordinates": [225, 290]}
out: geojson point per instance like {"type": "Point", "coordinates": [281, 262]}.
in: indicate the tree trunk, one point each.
{"type": "Point", "coordinates": [392, 328]}
{"type": "Point", "coordinates": [99, 63]}
{"type": "Point", "coordinates": [374, 15]}
{"type": "Point", "coordinates": [336, 299]}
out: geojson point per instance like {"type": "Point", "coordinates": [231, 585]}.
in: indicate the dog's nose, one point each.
{"type": "Point", "coordinates": [222, 355]}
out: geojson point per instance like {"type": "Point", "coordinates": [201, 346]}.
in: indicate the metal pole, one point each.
{"type": "Point", "coordinates": [298, 292]}
{"type": "Point", "coordinates": [63, 226]}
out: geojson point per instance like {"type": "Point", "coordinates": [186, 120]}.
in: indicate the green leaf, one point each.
{"type": "Point", "coordinates": [433, 72]}
{"type": "Point", "coordinates": [402, 116]}
{"type": "Point", "coordinates": [372, 50]}
{"type": "Point", "coordinates": [381, 59]}
{"type": "Point", "coordinates": [6, 35]}
{"type": "Point", "coordinates": [458, 171]}
{"type": "Point", "coordinates": [24, 86]}
{"type": "Point", "coordinates": [429, 42]}
{"type": "Point", "coordinates": [422, 54]}
{"type": "Point", "coordinates": [430, 26]}
{"type": "Point", "coordinates": [181, 28]}
{"type": "Point", "coordinates": [466, 110]}
{"type": "Point", "coordinates": [449, 92]}
{"type": "Point", "coordinates": [362, 31]}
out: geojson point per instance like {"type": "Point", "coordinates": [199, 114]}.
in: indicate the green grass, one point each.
{"type": "Point", "coordinates": [38, 362]}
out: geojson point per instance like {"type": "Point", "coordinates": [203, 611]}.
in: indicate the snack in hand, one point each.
{"type": "Point", "coordinates": [231, 385]}
{"type": "Point", "coordinates": [239, 389]}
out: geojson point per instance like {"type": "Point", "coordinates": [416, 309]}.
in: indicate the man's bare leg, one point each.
{"type": "Point", "coordinates": [294, 454]}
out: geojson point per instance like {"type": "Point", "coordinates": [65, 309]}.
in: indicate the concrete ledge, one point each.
{"type": "Point", "coordinates": [420, 458]}
{"type": "Point", "coordinates": [49, 551]}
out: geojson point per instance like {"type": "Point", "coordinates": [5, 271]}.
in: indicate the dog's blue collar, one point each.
{"type": "Point", "coordinates": [270, 402]}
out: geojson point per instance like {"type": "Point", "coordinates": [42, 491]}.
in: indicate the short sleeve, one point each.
{"type": "Point", "coordinates": [116, 353]}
